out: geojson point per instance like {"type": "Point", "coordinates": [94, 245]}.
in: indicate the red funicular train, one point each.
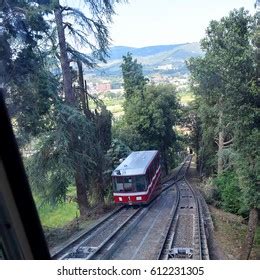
{"type": "Point", "coordinates": [136, 180]}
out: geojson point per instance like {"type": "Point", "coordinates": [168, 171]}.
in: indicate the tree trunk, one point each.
{"type": "Point", "coordinates": [99, 191]}
{"type": "Point", "coordinates": [70, 99]}
{"type": "Point", "coordinates": [64, 60]}
{"type": "Point", "coordinates": [249, 240]}
{"type": "Point", "coordinates": [220, 151]}
{"type": "Point", "coordinates": [220, 141]}
{"type": "Point", "coordinates": [82, 89]}
{"type": "Point", "coordinates": [82, 198]}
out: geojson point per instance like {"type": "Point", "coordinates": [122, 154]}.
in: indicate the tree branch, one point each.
{"type": "Point", "coordinates": [228, 142]}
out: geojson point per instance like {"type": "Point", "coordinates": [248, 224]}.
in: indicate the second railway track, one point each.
{"type": "Point", "coordinates": [186, 238]}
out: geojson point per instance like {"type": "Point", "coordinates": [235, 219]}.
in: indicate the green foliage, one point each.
{"type": "Point", "coordinates": [257, 236]}
{"type": "Point", "coordinates": [154, 117]}
{"type": "Point", "coordinates": [248, 165]}
{"type": "Point", "coordinates": [69, 142]}
{"type": "Point", "coordinates": [150, 115]}
{"type": "Point", "coordinates": [117, 152]}
{"type": "Point", "coordinates": [229, 191]}
{"type": "Point", "coordinates": [134, 80]}
{"type": "Point", "coordinates": [151, 112]}
{"type": "Point", "coordinates": [224, 82]}
{"type": "Point", "coordinates": [30, 86]}
{"type": "Point", "coordinates": [33, 90]}
{"type": "Point", "coordinates": [51, 169]}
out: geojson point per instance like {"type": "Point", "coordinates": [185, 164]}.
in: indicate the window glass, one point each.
{"type": "Point", "coordinates": [120, 179]}
{"type": "Point", "coordinates": [129, 184]}
{"type": "Point", "coordinates": [140, 183]}
{"type": "Point", "coordinates": [119, 184]}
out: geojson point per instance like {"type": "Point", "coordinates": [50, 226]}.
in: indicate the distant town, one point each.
{"type": "Point", "coordinates": [109, 88]}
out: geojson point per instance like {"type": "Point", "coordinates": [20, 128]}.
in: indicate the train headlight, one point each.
{"type": "Point", "coordinates": [138, 198]}
{"type": "Point", "coordinates": [120, 199]}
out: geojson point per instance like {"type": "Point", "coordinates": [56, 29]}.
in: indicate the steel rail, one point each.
{"type": "Point", "coordinates": [200, 236]}
{"type": "Point", "coordinates": [171, 228]}
{"type": "Point", "coordinates": [59, 254]}
{"type": "Point", "coordinates": [135, 218]}
{"type": "Point", "coordinates": [204, 254]}
{"type": "Point", "coordinates": [198, 214]}
{"type": "Point", "coordinates": [172, 224]}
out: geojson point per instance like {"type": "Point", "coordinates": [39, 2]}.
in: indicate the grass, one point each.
{"type": "Point", "coordinates": [230, 233]}
{"type": "Point", "coordinates": [115, 106]}
{"type": "Point", "coordinates": [113, 102]}
{"type": "Point", "coordinates": [116, 109]}
{"type": "Point", "coordinates": [58, 216]}
{"type": "Point", "coordinates": [185, 97]}
{"type": "Point", "coordinates": [55, 216]}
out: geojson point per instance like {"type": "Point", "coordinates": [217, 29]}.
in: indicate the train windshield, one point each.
{"type": "Point", "coordinates": [140, 183]}
{"type": "Point", "coordinates": [129, 183]}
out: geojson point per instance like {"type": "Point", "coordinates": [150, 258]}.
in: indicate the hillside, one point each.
{"type": "Point", "coordinates": [163, 59]}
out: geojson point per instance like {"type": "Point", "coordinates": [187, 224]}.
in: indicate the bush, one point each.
{"type": "Point", "coordinates": [230, 194]}
{"type": "Point", "coordinates": [210, 192]}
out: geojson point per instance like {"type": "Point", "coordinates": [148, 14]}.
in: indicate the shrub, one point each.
{"type": "Point", "coordinates": [230, 194]}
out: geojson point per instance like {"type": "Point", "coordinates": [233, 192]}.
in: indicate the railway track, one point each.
{"type": "Point", "coordinates": [185, 238]}
{"type": "Point", "coordinates": [104, 239]}
{"type": "Point", "coordinates": [88, 242]}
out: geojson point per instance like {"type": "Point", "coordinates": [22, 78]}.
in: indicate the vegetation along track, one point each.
{"type": "Point", "coordinates": [101, 241]}
{"type": "Point", "coordinates": [186, 238]}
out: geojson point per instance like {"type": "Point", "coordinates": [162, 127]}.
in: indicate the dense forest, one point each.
{"type": "Point", "coordinates": [66, 142]}
{"type": "Point", "coordinates": [226, 110]}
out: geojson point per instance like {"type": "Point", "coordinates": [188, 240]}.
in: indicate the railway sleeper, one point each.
{"type": "Point", "coordinates": [81, 252]}
{"type": "Point", "coordinates": [186, 207]}
{"type": "Point", "coordinates": [180, 253]}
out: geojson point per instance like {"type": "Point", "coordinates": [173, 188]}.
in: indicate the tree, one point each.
{"type": "Point", "coordinates": [85, 134]}
{"type": "Point", "coordinates": [225, 83]}
{"type": "Point", "coordinates": [249, 154]}
{"type": "Point", "coordinates": [69, 140]}
{"type": "Point", "coordinates": [29, 85]}
{"type": "Point", "coordinates": [134, 80]}
{"type": "Point", "coordinates": [150, 113]}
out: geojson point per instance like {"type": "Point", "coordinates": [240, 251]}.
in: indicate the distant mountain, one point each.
{"type": "Point", "coordinates": [118, 51]}
{"type": "Point", "coordinates": [163, 59]}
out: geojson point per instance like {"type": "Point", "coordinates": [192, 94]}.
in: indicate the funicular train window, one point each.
{"type": "Point", "coordinates": [128, 184]}
{"type": "Point", "coordinates": [119, 184]}
{"type": "Point", "coordinates": [140, 183]}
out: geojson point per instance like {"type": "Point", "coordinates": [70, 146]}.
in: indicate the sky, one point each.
{"type": "Point", "coordinates": [140, 23]}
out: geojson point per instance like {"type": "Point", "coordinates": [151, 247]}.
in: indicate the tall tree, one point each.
{"type": "Point", "coordinates": [150, 112]}
{"type": "Point", "coordinates": [225, 83]}
{"type": "Point", "coordinates": [89, 29]}
{"type": "Point", "coordinates": [69, 146]}
{"type": "Point", "coordinates": [134, 80]}
{"type": "Point", "coordinates": [249, 154]}
{"type": "Point", "coordinates": [30, 86]}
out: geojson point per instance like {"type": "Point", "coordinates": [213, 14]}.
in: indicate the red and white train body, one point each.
{"type": "Point", "coordinates": [137, 179]}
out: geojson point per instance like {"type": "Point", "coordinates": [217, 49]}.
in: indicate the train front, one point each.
{"type": "Point", "coordinates": [130, 189]}
{"type": "Point", "coordinates": [136, 178]}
